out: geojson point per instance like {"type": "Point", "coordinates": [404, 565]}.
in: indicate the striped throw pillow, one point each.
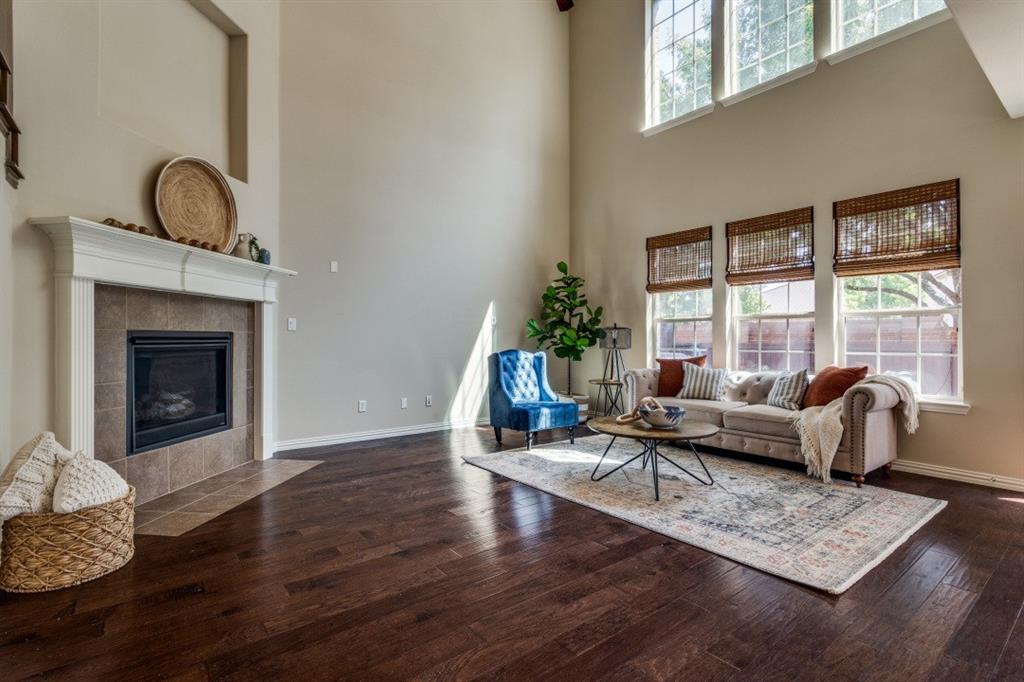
{"type": "Point", "coordinates": [788, 390]}
{"type": "Point", "coordinates": [703, 383]}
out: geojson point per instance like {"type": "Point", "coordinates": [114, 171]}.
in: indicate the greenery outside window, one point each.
{"type": "Point", "coordinates": [682, 324]}
{"type": "Point", "coordinates": [858, 20]}
{"type": "Point", "coordinates": [768, 38]}
{"type": "Point", "coordinates": [774, 326]}
{"type": "Point", "coordinates": [679, 58]}
{"type": "Point", "coordinates": [907, 324]}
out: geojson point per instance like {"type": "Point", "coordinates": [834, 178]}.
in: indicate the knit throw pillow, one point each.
{"type": "Point", "coordinates": [703, 383]}
{"type": "Point", "coordinates": [26, 486]}
{"type": "Point", "coordinates": [788, 390]}
{"type": "Point", "coordinates": [86, 482]}
{"type": "Point", "coordinates": [670, 378]}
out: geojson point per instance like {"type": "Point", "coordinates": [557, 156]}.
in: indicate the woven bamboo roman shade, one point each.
{"type": "Point", "coordinates": [772, 248]}
{"type": "Point", "coordinates": [905, 230]}
{"type": "Point", "coordinates": [678, 261]}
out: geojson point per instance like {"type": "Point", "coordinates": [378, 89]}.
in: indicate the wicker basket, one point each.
{"type": "Point", "coordinates": [43, 552]}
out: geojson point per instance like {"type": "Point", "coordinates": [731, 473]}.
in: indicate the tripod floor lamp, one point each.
{"type": "Point", "coordinates": [609, 387]}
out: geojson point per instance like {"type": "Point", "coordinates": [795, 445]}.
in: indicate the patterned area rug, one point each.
{"type": "Point", "coordinates": [827, 536]}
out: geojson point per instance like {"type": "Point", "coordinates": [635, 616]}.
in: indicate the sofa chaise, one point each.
{"type": "Point", "coordinates": [747, 424]}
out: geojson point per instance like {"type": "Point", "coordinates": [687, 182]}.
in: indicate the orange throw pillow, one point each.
{"type": "Point", "coordinates": [670, 381]}
{"type": "Point", "coordinates": [832, 382]}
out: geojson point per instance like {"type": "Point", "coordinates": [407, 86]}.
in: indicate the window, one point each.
{"type": "Point", "coordinates": [907, 324]}
{"type": "Point", "coordinates": [774, 326]}
{"type": "Point", "coordinates": [898, 258]}
{"type": "Point", "coordinates": [771, 270]}
{"type": "Point", "coordinates": [680, 58]}
{"type": "Point", "coordinates": [679, 278]}
{"type": "Point", "coordinates": [682, 324]}
{"type": "Point", "coordinates": [857, 20]}
{"type": "Point", "coordinates": [768, 38]}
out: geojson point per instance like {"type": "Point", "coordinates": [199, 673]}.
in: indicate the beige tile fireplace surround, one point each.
{"type": "Point", "coordinates": [157, 472]}
{"type": "Point", "coordinates": [108, 282]}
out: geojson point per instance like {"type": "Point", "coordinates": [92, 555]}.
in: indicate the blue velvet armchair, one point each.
{"type": "Point", "coordinates": [521, 398]}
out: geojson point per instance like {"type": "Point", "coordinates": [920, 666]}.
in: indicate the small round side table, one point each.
{"type": "Point", "coordinates": [609, 394]}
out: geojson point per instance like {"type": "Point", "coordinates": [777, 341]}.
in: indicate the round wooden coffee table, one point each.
{"type": "Point", "coordinates": [649, 437]}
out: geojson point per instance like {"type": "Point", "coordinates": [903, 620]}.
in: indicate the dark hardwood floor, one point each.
{"type": "Point", "coordinates": [395, 560]}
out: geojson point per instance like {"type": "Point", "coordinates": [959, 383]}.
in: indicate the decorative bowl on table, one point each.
{"type": "Point", "coordinates": [663, 418]}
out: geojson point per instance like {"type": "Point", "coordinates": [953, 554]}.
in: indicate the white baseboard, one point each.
{"type": "Point", "coordinates": [375, 434]}
{"type": "Point", "coordinates": [976, 477]}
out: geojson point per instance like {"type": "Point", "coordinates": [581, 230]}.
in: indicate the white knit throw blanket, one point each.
{"type": "Point", "coordinates": [821, 428]}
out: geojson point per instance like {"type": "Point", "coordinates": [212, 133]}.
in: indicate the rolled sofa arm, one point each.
{"type": "Point", "coordinates": [873, 397]}
{"type": "Point", "coordinates": [869, 426]}
{"type": "Point", "coordinates": [639, 383]}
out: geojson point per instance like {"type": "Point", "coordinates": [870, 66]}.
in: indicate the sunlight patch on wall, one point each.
{"type": "Point", "coordinates": [469, 397]}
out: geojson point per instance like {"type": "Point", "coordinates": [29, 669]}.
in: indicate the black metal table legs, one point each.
{"type": "Point", "coordinates": [651, 454]}
{"type": "Point", "coordinates": [609, 399]}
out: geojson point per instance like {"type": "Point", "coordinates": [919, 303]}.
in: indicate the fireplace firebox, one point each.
{"type": "Point", "coordinates": [179, 387]}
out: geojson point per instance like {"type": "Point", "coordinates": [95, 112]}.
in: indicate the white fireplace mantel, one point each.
{"type": "Point", "coordinates": [88, 252]}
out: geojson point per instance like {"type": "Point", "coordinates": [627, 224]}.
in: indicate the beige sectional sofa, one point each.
{"type": "Point", "coordinates": [749, 425]}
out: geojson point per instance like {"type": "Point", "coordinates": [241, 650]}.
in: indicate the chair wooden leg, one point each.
{"type": "Point", "coordinates": [572, 435]}
{"type": "Point", "coordinates": [529, 440]}
{"type": "Point", "coordinates": [858, 479]}
{"type": "Point", "coordinates": [497, 435]}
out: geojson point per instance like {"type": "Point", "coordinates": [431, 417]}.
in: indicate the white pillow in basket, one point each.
{"type": "Point", "coordinates": [86, 482]}
{"type": "Point", "coordinates": [27, 484]}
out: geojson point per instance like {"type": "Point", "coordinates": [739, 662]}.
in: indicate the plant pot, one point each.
{"type": "Point", "coordinates": [583, 401]}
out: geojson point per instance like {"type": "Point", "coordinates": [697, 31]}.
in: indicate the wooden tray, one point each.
{"type": "Point", "coordinates": [194, 201]}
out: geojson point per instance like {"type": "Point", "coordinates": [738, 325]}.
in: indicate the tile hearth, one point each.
{"type": "Point", "coordinates": [181, 511]}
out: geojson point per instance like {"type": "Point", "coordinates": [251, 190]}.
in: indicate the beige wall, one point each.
{"type": "Point", "coordinates": [140, 65]}
{"type": "Point", "coordinates": [917, 110]}
{"type": "Point", "coordinates": [78, 162]}
{"type": "Point", "coordinates": [425, 148]}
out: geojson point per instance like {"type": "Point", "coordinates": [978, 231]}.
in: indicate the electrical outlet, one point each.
{"type": "Point", "coordinates": [334, 266]}
{"type": "Point", "coordinates": [362, 406]}
{"type": "Point", "coordinates": [405, 403]}
{"type": "Point", "coordinates": [293, 324]}
{"type": "Point", "coordinates": [429, 401]}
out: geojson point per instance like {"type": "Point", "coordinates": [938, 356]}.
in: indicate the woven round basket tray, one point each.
{"type": "Point", "coordinates": [43, 552]}
{"type": "Point", "coordinates": [195, 204]}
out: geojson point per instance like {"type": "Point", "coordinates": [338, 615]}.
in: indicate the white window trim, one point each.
{"type": "Point", "coordinates": [739, 95]}
{"type": "Point", "coordinates": [719, 41]}
{"type": "Point", "coordinates": [653, 320]}
{"type": "Point", "coordinates": [735, 351]}
{"type": "Point", "coordinates": [770, 84]}
{"type": "Point", "coordinates": [678, 120]}
{"type": "Point", "coordinates": [943, 406]}
{"type": "Point", "coordinates": [882, 38]}
{"type": "Point", "coordinates": [734, 328]}
{"type": "Point", "coordinates": [649, 129]}
{"type": "Point", "coordinates": [954, 405]}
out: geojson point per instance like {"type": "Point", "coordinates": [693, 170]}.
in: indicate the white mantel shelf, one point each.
{"type": "Point", "coordinates": [101, 253]}
{"type": "Point", "coordinates": [87, 252]}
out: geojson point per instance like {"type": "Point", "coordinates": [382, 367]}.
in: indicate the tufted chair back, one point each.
{"type": "Point", "coordinates": [751, 388]}
{"type": "Point", "coordinates": [521, 376]}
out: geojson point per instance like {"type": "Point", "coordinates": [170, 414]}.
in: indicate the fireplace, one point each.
{"type": "Point", "coordinates": [178, 387]}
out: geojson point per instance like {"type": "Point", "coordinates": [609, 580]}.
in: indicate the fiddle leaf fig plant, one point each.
{"type": "Point", "coordinates": [568, 326]}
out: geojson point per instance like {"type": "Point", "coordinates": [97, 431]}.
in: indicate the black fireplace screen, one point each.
{"type": "Point", "coordinates": [179, 387]}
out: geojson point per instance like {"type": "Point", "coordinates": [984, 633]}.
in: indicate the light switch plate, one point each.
{"type": "Point", "coordinates": [334, 266]}
{"type": "Point", "coordinates": [293, 324]}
